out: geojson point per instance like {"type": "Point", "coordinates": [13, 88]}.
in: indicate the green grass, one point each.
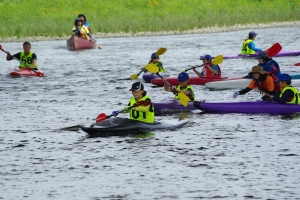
{"type": "Point", "coordinates": [23, 18]}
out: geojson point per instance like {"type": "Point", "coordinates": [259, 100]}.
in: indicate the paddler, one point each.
{"type": "Point", "coordinates": [289, 94]}
{"type": "Point", "coordinates": [184, 87]}
{"type": "Point", "coordinates": [155, 60]}
{"type": "Point", "coordinates": [80, 30]}
{"type": "Point", "coordinates": [27, 58]}
{"type": "Point", "coordinates": [140, 113]}
{"type": "Point", "coordinates": [248, 46]}
{"type": "Point", "coordinates": [209, 69]}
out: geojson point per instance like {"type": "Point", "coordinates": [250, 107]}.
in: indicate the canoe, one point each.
{"type": "Point", "coordinates": [78, 43]}
{"type": "Point", "coordinates": [147, 77]}
{"type": "Point", "coordinates": [18, 72]}
{"type": "Point", "coordinates": [251, 107]}
{"type": "Point", "coordinates": [282, 53]}
{"type": "Point", "coordinates": [171, 106]}
{"type": "Point", "coordinates": [239, 84]}
{"type": "Point", "coordinates": [122, 126]}
{"type": "Point", "coordinates": [193, 80]}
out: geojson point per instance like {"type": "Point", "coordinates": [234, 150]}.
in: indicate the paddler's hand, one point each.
{"type": "Point", "coordinates": [8, 53]}
{"type": "Point", "coordinates": [144, 69]}
{"type": "Point", "coordinates": [115, 113]}
{"type": "Point", "coordinates": [237, 93]}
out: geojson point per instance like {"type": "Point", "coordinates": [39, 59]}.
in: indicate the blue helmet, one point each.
{"type": "Point", "coordinates": [153, 56]}
{"type": "Point", "coordinates": [183, 76]}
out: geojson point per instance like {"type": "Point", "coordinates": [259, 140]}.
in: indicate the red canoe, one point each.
{"type": "Point", "coordinates": [26, 72]}
{"type": "Point", "coordinates": [194, 80]}
{"type": "Point", "coordinates": [78, 43]}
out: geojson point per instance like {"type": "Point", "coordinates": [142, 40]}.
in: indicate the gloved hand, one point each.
{"type": "Point", "coordinates": [236, 94]}
{"type": "Point", "coordinates": [115, 113]}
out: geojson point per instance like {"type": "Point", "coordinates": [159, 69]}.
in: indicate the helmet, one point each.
{"type": "Point", "coordinates": [77, 20]}
{"type": "Point", "coordinates": [262, 54]}
{"type": "Point", "coordinates": [153, 56]}
{"type": "Point", "coordinates": [208, 57]}
{"type": "Point", "coordinates": [252, 34]}
{"type": "Point", "coordinates": [183, 77]}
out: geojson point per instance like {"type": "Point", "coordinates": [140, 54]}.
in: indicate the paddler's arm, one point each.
{"type": "Point", "coordinates": [198, 73]}
{"type": "Point", "coordinates": [167, 88]}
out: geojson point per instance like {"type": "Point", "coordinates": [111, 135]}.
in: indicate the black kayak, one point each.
{"type": "Point", "coordinates": [122, 126]}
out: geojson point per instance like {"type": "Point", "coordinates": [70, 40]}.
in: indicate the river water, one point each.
{"type": "Point", "coordinates": [228, 156]}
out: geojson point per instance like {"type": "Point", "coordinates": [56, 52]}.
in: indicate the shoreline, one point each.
{"type": "Point", "coordinates": [213, 29]}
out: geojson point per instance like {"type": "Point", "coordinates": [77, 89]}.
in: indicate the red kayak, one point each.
{"type": "Point", "coordinates": [194, 80]}
{"type": "Point", "coordinates": [78, 43]}
{"type": "Point", "coordinates": [26, 72]}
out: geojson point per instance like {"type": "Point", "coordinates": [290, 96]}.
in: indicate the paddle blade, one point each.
{"type": "Point", "coordinates": [274, 50]}
{"type": "Point", "coordinates": [161, 51]}
{"type": "Point", "coordinates": [297, 64]}
{"type": "Point", "coordinates": [0, 47]}
{"type": "Point", "coordinates": [184, 100]}
{"type": "Point", "coordinates": [152, 68]}
{"type": "Point", "coordinates": [134, 76]}
{"type": "Point", "coordinates": [217, 60]}
{"type": "Point", "coordinates": [101, 117]}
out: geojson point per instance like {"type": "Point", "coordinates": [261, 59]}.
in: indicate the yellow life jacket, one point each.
{"type": "Point", "coordinates": [191, 96]}
{"type": "Point", "coordinates": [26, 60]}
{"type": "Point", "coordinates": [83, 31]}
{"type": "Point", "coordinates": [141, 116]}
{"type": "Point", "coordinates": [246, 49]}
{"type": "Point", "coordinates": [296, 99]}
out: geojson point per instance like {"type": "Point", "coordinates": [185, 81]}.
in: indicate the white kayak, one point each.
{"type": "Point", "coordinates": [238, 84]}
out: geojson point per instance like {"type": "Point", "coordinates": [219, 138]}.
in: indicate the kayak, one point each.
{"type": "Point", "coordinates": [122, 126]}
{"type": "Point", "coordinates": [170, 106]}
{"type": "Point", "coordinates": [26, 72]}
{"type": "Point", "coordinates": [147, 77]}
{"type": "Point", "coordinates": [251, 107]}
{"type": "Point", "coordinates": [282, 53]}
{"type": "Point", "coordinates": [239, 84]}
{"type": "Point", "coordinates": [193, 80]}
{"type": "Point", "coordinates": [78, 43]}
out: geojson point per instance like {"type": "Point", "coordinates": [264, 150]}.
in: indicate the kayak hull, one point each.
{"type": "Point", "coordinates": [122, 126]}
{"type": "Point", "coordinates": [26, 72]}
{"type": "Point", "coordinates": [256, 107]}
{"type": "Point", "coordinates": [147, 77]}
{"type": "Point", "coordinates": [282, 53]}
{"type": "Point", "coordinates": [77, 43]}
{"type": "Point", "coordinates": [193, 80]}
{"type": "Point", "coordinates": [170, 106]}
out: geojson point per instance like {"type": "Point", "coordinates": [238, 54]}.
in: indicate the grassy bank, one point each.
{"type": "Point", "coordinates": [55, 18]}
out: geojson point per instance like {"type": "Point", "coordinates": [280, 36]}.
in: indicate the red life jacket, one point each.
{"type": "Point", "coordinates": [207, 72]}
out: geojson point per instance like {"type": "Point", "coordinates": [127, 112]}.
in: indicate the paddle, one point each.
{"type": "Point", "coordinates": [182, 97]}
{"type": "Point", "coordinates": [103, 116]}
{"type": "Point", "coordinates": [89, 38]}
{"type": "Point", "coordinates": [297, 64]}
{"type": "Point", "coordinates": [19, 60]}
{"type": "Point", "coordinates": [274, 50]}
{"type": "Point", "coordinates": [217, 60]}
{"type": "Point", "coordinates": [160, 51]}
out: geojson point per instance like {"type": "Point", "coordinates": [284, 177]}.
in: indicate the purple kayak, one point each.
{"type": "Point", "coordinates": [169, 106]}
{"type": "Point", "coordinates": [147, 77]}
{"type": "Point", "coordinates": [253, 107]}
{"type": "Point", "coordinates": [280, 54]}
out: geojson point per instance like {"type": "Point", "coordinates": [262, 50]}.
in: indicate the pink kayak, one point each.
{"type": "Point", "coordinates": [194, 80]}
{"type": "Point", "coordinates": [26, 72]}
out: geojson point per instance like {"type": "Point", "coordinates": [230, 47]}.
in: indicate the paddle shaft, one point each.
{"type": "Point", "coordinates": [89, 38]}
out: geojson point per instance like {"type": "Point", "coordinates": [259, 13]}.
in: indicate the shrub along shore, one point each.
{"type": "Point", "coordinates": [53, 20]}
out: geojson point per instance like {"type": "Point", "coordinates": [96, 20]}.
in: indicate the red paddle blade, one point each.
{"type": "Point", "coordinates": [297, 64]}
{"type": "Point", "coordinates": [274, 50]}
{"type": "Point", "coordinates": [0, 47]}
{"type": "Point", "coordinates": [101, 117]}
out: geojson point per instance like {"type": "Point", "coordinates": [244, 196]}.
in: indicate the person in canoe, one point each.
{"type": "Point", "coordinates": [289, 94]}
{"type": "Point", "coordinates": [155, 60]}
{"type": "Point", "coordinates": [184, 87]}
{"type": "Point", "coordinates": [248, 46]}
{"type": "Point", "coordinates": [140, 113]}
{"type": "Point", "coordinates": [260, 80]}
{"type": "Point", "coordinates": [81, 31]}
{"type": "Point", "coordinates": [28, 59]}
{"type": "Point", "coordinates": [209, 69]}
{"type": "Point", "coordinates": [85, 23]}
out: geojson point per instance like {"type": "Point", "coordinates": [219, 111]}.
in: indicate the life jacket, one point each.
{"type": "Point", "coordinates": [260, 84]}
{"type": "Point", "coordinates": [83, 32]}
{"type": "Point", "coordinates": [245, 47]}
{"type": "Point", "coordinates": [160, 67]}
{"type": "Point", "coordinates": [294, 100]}
{"type": "Point", "coordinates": [274, 65]}
{"type": "Point", "coordinates": [275, 78]}
{"type": "Point", "coordinates": [26, 60]}
{"type": "Point", "coordinates": [141, 116]}
{"type": "Point", "coordinates": [207, 73]}
{"type": "Point", "coordinates": [191, 96]}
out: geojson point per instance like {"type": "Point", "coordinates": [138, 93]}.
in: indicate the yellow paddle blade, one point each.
{"type": "Point", "coordinates": [152, 68]}
{"type": "Point", "coordinates": [134, 76]}
{"type": "Point", "coordinates": [161, 51]}
{"type": "Point", "coordinates": [184, 100]}
{"type": "Point", "coordinates": [217, 60]}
